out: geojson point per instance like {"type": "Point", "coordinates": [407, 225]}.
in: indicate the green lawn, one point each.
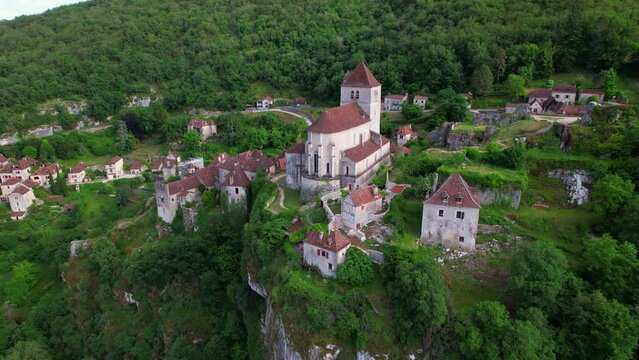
{"type": "Point", "coordinates": [506, 134]}
{"type": "Point", "coordinates": [292, 198]}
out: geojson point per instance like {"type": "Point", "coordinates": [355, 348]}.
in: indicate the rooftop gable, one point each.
{"type": "Point", "coordinates": [455, 192]}
{"type": "Point", "coordinates": [340, 118]}
{"type": "Point", "coordinates": [335, 241]}
{"type": "Point", "coordinates": [365, 195]}
{"type": "Point", "coordinates": [361, 76]}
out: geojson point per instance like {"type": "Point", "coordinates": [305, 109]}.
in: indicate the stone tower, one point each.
{"type": "Point", "coordinates": [360, 86]}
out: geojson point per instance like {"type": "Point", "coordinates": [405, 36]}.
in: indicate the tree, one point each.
{"type": "Point", "coordinates": [177, 226]}
{"type": "Point", "coordinates": [451, 105]}
{"type": "Point", "coordinates": [596, 328]}
{"type": "Point", "coordinates": [357, 270]}
{"type": "Point", "coordinates": [412, 111]}
{"type": "Point", "coordinates": [611, 193]}
{"type": "Point", "coordinates": [29, 151]}
{"type": "Point", "coordinates": [122, 193]}
{"type": "Point", "coordinates": [539, 272]}
{"type": "Point", "coordinates": [46, 152]}
{"type": "Point", "coordinates": [104, 259]}
{"type": "Point", "coordinates": [481, 83]}
{"type": "Point", "coordinates": [24, 278]}
{"type": "Point", "coordinates": [611, 267]}
{"type": "Point", "coordinates": [610, 86]}
{"type": "Point", "coordinates": [31, 350]}
{"type": "Point", "coordinates": [59, 185]}
{"type": "Point", "coordinates": [515, 86]}
{"type": "Point", "coordinates": [418, 274]}
{"type": "Point", "coordinates": [191, 144]}
{"type": "Point", "coordinates": [123, 139]}
{"type": "Point", "coordinates": [488, 332]}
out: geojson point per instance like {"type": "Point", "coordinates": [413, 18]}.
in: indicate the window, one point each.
{"type": "Point", "coordinates": [328, 168]}
{"type": "Point", "coordinates": [567, 96]}
{"type": "Point", "coordinates": [441, 213]}
{"type": "Point", "coordinates": [460, 215]}
{"type": "Point", "coordinates": [237, 191]}
{"type": "Point", "coordinates": [347, 170]}
{"type": "Point", "coordinates": [318, 252]}
{"type": "Point", "coordinates": [357, 94]}
{"type": "Point", "coordinates": [330, 266]}
{"type": "Point", "coordinates": [361, 138]}
{"type": "Point", "coordinates": [461, 239]}
{"type": "Point", "coordinates": [362, 208]}
{"type": "Point", "coordinates": [315, 163]}
{"type": "Point", "coordinates": [352, 94]}
{"type": "Point", "coordinates": [557, 96]}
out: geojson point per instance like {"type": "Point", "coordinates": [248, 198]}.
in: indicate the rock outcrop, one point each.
{"type": "Point", "coordinates": [575, 182]}
{"type": "Point", "coordinates": [509, 194]}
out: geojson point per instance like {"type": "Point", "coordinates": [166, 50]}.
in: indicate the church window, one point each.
{"type": "Point", "coordinates": [315, 163]}
{"type": "Point", "coordinates": [461, 239]}
{"type": "Point", "coordinates": [460, 215]}
{"type": "Point", "coordinates": [352, 94]}
{"type": "Point", "coordinates": [347, 170]}
{"type": "Point", "coordinates": [441, 213]}
{"type": "Point", "coordinates": [361, 138]}
{"type": "Point", "coordinates": [357, 94]}
{"type": "Point", "coordinates": [328, 168]}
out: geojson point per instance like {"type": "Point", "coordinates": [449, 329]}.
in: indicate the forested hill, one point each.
{"type": "Point", "coordinates": [191, 50]}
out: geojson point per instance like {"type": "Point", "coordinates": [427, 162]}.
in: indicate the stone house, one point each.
{"type": "Point", "coordinates": [565, 93]}
{"type": "Point", "coordinates": [541, 95]}
{"type": "Point", "coordinates": [77, 175]}
{"type": "Point", "coordinates": [206, 128]}
{"type": "Point", "coordinates": [344, 147]}
{"type": "Point", "coordinates": [394, 102]}
{"type": "Point", "coordinates": [45, 175]}
{"type": "Point", "coordinates": [20, 169]}
{"type": "Point", "coordinates": [359, 205]}
{"type": "Point", "coordinates": [264, 103]}
{"type": "Point", "coordinates": [137, 167]}
{"type": "Point", "coordinates": [585, 94]}
{"type": "Point", "coordinates": [114, 168]}
{"type": "Point", "coordinates": [535, 106]}
{"type": "Point", "coordinates": [420, 101]}
{"type": "Point", "coordinates": [405, 134]}
{"type": "Point", "coordinates": [325, 251]}
{"type": "Point", "coordinates": [21, 198]}
{"type": "Point", "coordinates": [235, 184]}
{"type": "Point", "coordinates": [450, 215]}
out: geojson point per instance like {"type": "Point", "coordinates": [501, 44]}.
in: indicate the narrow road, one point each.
{"type": "Point", "coordinates": [297, 113]}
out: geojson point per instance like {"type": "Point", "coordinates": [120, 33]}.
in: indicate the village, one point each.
{"type": "Point", "coordinates": [343, 152]}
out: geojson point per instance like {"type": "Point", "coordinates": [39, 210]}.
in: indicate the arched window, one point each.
{"type": "Point", "coordinates": [357, 94]}
{"type": "Point", "coordinates": [352, 94]}
{"type": "Point", "coordinates": [328, 168]}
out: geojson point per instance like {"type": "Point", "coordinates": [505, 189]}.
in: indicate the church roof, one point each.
{"type": "Point", "coordinates": [360, 77]}
{"type": "Point", "coordinates": [361, 152]}
{"type": "Point", "coordinates": [340, 118]}
{"type": "Point", "coordinates": [335, 241]}
{"type": "Point", "coordinates": [455, 192]}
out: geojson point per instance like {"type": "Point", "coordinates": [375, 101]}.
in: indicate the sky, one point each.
{"type": "Point", "coordinates": [9, 9]}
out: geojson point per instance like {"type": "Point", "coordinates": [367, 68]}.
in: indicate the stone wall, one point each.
{"type": "Point", "coordinates": [507, 193]}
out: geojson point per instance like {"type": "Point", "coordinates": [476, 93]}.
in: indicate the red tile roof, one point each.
{"type": "Point", "coordinates": [30, 161]}
{"type": "Point", "coordinates": [296, 149]}
{"type": "Point", "coordinates": [335, 241]}
{"type": "Point", "coordinates": [17, 214]}
{"type": "Point", "coordinates": [340, 118]}
{"type": "Point", "coordinates": [200, 123]}
{"type": "Point", "coordinates": [360, 77]}
{"type": "Point", "coordinates": [236, 177]}
{"type": "Point", "coordinates": [365, 195]}
{"type": "Point", "coordinates": [22, 164]}
{"type": "Point", "coordinates": [11, 181]}
{"type": "Point", "coordinates": [565, 88]}
{"type": "Point", "coordinates": [398, 189]}
{"type": "Point", "coordinates": [29, 183]}
{"type": "Point", "coordinates": [47, 170]}
{"type": "Point", "coordinates": [78, 168]}
{"type": "Point", "coordinates": [574, 109]}
{"type": "Point", "coordinates": [208, 175]}
{"type": "Point", "coordinates": [21, 189]}
{"type": "Point", "coordinates": [455, 192]}
{"type": "Point", "coordinates": [361, 152]}
{"type": "Point", "coordinates": [419, 97]}
{"type": "Point", "coordinates": [188, 183]}
{"type": "Point", "coordinates": [406, 130]}
{"type": "Point", "coordinates": [2, 158]}
{"type": "Point", "coordinates": [406, 150]}
{"type": "Point", "coordinates": [540, 93]}
{"type": "Point", "coordinates": [396, 96]}
{"type": "Point", "coordinates": [113, 160]}
{"type": "Point", "coordinates": [297, 224]}
{"type": "Point", "coordinates": [251, 160]}
{"type": "Point", "coordinates": [136, 165]}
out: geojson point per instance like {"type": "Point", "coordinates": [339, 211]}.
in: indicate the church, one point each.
{"type": "Point", "coordinates": [344, 147]}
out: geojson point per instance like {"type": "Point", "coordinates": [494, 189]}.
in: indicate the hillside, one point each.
{"type": "Point", "coordinates": [208, 53]}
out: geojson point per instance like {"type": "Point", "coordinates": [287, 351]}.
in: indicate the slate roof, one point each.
{"type": "Point", "coordinates": [296, 149]}
{"type": "Point", "coordinates": [365, 195]}
{"type": "Point", "coordinates": [113, 160]}
{"type": "Point", "coordinates": [361, 152]}
{"type": "Point", "coordinates": [455, 192]}
{"type": "Point", "coordinates": [565, 88]}
{"type": "Point", "coordinates": [335, 241]}
{"type": "Point", "coordinates": [340, 118]}
{"type": "Point", "coordinates": [360, 77]}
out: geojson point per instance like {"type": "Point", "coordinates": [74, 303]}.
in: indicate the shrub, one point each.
{"type": "Point", "coordinates": [357, 270]}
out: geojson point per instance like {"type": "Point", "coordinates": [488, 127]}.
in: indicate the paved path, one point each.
{"type": "Point", "coordinates": [292, 111]}
{"type": "Point", "coordinates": [566, 120]}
